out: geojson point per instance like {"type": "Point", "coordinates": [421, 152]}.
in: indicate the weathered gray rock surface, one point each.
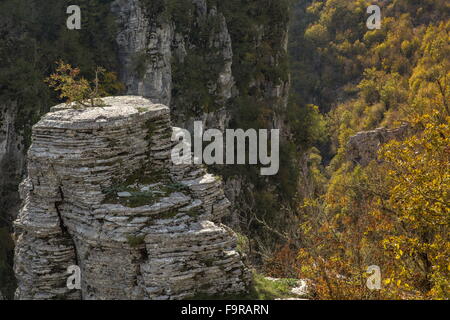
{"type": "Point", "coordinates": [160, 52]}
{"type": "Point", "coordinates": [363, 146]}
{"type": "Point", "coordinates": [103, 194]}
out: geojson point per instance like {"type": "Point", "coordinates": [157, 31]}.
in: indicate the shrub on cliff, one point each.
{"type": "Point", "coordinates": [78, 91]}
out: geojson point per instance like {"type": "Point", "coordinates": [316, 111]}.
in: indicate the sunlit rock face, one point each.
{"type": "Point", "coordinates": [103, 194]}
{"type": "Point", "coordinates": [363, 146]}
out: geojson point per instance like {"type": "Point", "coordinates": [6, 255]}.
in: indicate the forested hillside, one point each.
{"type": "Point", "coordinates": [394, 211]}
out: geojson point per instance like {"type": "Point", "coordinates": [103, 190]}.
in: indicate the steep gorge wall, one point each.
{"type": "Point", "coordinates": [152, 49]}
{"type": "Point", "coordinates": [12, 160]}
{"type": "Point", "coordinates": [103, 194]}
{"type": "Point", "coordinates": [185, 54]}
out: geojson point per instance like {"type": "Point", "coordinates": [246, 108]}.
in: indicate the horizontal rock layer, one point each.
{"type": "Point", "coordinates": [103, 194]}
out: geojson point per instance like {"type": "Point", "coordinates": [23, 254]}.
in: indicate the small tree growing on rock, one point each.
{"type": "Point", "coordinates": [79, 91]}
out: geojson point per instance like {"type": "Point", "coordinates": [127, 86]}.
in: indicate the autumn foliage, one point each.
{"type": "Point", "coordinates": [77, 90]}
{"type": "Point", "coordinates": [394, 212]}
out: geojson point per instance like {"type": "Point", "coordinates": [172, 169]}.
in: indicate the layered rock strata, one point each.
{"type": "Point", "coordinates": [103, 194]}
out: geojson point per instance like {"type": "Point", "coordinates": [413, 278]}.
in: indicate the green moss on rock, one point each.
{"type": "Point", "coordinates": [135, 241]}
{"type": "Point", "coordinates": [261, 288]}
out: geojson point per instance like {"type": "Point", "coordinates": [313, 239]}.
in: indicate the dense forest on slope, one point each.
{"type": "Point", "coordinates": [393, 212]}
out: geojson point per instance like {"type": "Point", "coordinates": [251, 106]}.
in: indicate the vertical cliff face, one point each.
{"type": "Point", "coordinates": [12, 159]}
{"type": "Point", "coordinates": [145, 52]}
{"type": "Point", "coordinates": [181, 53]}
{"type": "Point", "coordinates": [103, 194]}
{"type": "Point", "coordinates": [162, 47]}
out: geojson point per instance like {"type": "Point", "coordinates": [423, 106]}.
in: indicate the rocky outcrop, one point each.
{"type": "Point", "coordinates": [363, 147]}
{"type": "Point", "coordinates": [193, 67]}
{"type": "Point", "coordinates": [103, 194]}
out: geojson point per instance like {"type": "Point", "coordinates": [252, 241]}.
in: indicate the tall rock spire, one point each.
{"type": "Point", "coordinates": [103, 194]}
